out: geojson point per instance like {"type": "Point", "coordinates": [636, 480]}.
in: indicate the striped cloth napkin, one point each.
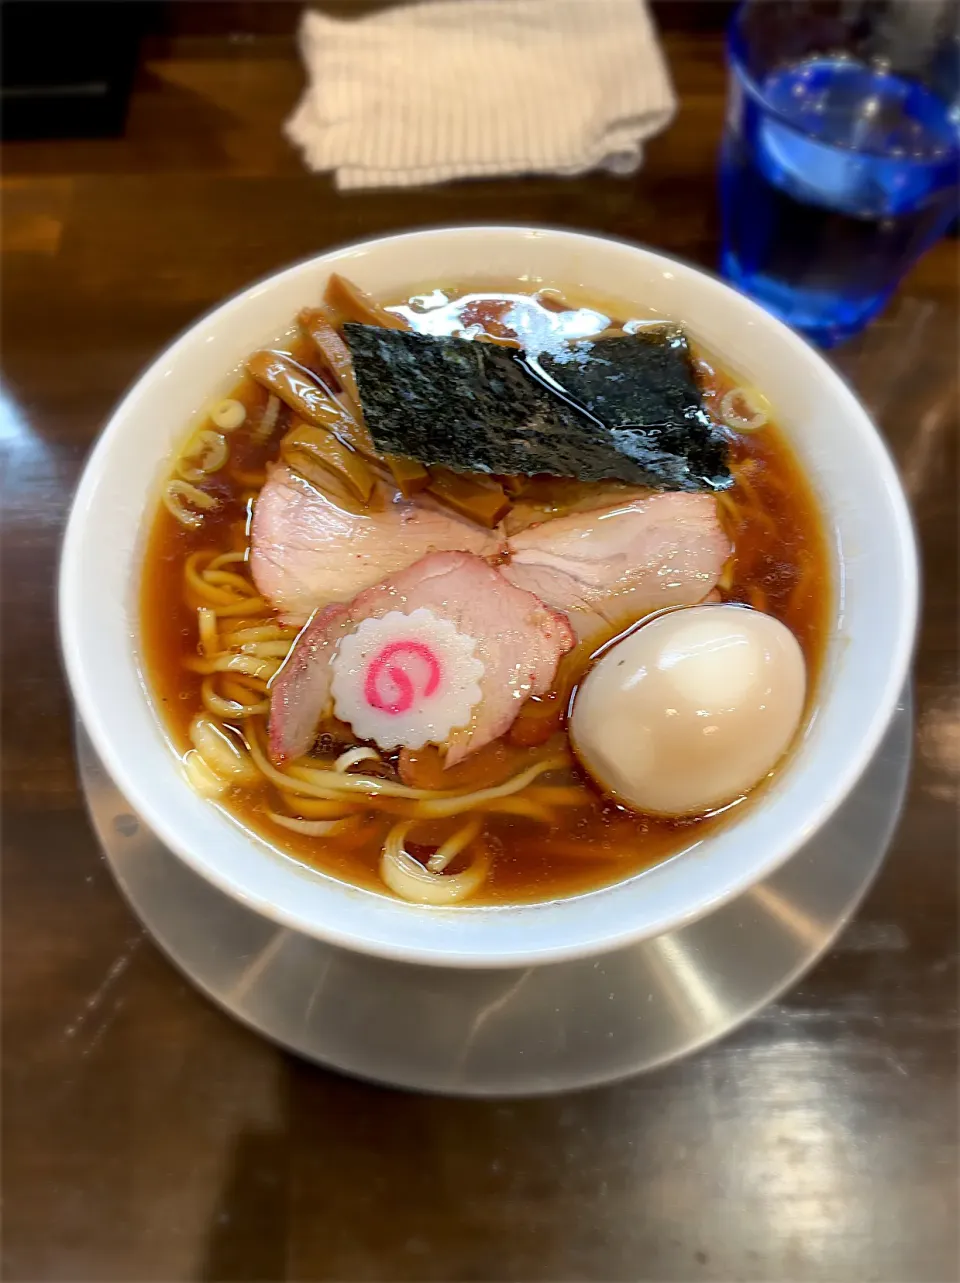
{"type": "Point", "coordinates": [459, 88]}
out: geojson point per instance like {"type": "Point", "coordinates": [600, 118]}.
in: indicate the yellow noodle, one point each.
{"type": "Point", "coordinates": [202, 589]}
{"type": "Point", "coordinates": [215, 704]}
{"type": "Point", "coordinates": [521, 806]}
{"type": "Point", "coordinates": [234, 629]}
{"type": "Point", "coordinates": [354, 756]}
{"type": "Point", "coordinates": [229, 708]}
{"type": "Point", "coordinates": [437, 808]}
{"type": "Point", "coordinates": [433, 802]}
{"type": "Point", "coordinates": [258, 633]}
{"type": "Point", "coordinates": [267, 649]}
{"type": "Point", "coordinates": [411, 881]}
{"type": "Point", "coordinates": [243, 688]}
{"type": "Point", "coordinates": [316, 828]}
{"type": "Point", "coordinates": [313, 808]}
{"type": "Point", "coordinates": [207, 628]}
{"type": "Point", "coordinates": [451, 848]}
{"type": "Point", "coordinates": [243, 606]}
{"type": "Point", "coordinates": [227, 579]}
{"type": "Point", "coordinates": [229, 559]}
{"type": "Point", "coordinates": [396, 807]}
{"type": "Point", "coordinates": [727, 574]}
{"type": "Point", "coordinates": [333, 784]}
{"type": "Point", "coordinates": [329, 783]}
{"type": "Point", "coordinates": [221, 752]}
{"type": "Point", "coordinates": [226, 663]}
{"type": "Point", "coordinates": [200, 777]}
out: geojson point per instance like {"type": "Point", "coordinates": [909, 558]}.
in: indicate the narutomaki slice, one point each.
{"type": "Point", "coordinates": [516, 640]}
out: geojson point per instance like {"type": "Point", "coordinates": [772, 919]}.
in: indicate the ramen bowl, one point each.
{"type": "Point", "coordinates": [873, 594]}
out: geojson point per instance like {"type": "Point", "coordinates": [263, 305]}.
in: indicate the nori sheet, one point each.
{"type": "Point", "coordinates": [624, 409]}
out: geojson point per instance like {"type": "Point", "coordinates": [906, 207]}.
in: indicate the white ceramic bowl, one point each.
{"type": "Point", "coordinates": [875, 591]}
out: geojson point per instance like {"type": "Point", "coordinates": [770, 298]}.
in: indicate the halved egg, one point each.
{"type": "Point", "coordinates": [691, 710]}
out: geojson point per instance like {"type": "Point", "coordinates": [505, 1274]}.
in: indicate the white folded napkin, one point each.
{"type": "Point", "coordinates": [457, 88]}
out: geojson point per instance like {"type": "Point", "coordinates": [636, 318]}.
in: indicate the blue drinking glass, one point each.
{"type": "Point", "coordinates": [840, 162]}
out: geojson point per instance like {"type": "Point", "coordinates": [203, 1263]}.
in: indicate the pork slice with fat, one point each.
{"type": "Point", "coordinates": [307, 553]}
{"type": "Point", "coordinates": [518, 640]}
{"type": "Point", "coordinates": [612, 566]}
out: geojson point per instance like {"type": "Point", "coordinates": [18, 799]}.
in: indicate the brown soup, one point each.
{"type": "Point", "coordinates": [556, 836]}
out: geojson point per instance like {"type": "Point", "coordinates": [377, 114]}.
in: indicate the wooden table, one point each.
{"type": "Point", "coordinates": [145, 1136]}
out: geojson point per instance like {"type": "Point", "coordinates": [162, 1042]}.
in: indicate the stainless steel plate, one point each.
{"type": "Point", "coordinates": [516, 1031]}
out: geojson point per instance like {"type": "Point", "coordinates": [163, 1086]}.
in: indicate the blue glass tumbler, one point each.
{"type": "Point", "coordinates": [840, 161]}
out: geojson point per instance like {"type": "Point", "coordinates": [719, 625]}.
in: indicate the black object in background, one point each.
{"type": "Point", "coordinates": [281, 17]}
{"type": "Point", "coordinates": [66, 67]}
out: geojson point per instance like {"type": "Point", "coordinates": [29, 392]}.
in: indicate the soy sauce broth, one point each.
{"type": "Point", "coordinates": [781, 565]}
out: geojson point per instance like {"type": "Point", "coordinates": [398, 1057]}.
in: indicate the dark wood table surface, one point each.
{"type": "Point", "coordinates": [147, 1137]}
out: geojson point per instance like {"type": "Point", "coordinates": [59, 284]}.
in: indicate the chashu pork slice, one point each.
{"type": "Point", "coordinates": [517, 638]}
{"type": "Point", "coordinates": [611, 567]}
{"type": "Point", "coordinates": [306, 552]}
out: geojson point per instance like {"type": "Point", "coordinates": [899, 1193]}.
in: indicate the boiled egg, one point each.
{"type": "Point", "coordinates": [691, 710]}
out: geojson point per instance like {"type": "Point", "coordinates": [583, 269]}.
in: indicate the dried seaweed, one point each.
{"type": "Point", "coordinates": [623, 409]}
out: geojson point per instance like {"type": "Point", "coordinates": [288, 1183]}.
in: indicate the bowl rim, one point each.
{"type": "Point", "coordinates": [139, 794]}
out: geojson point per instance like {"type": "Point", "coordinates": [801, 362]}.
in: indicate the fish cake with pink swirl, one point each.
{"type": "Point", "coordinates": [516, 638]}
{"type": "Point", "coordinates": [406, 680]}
